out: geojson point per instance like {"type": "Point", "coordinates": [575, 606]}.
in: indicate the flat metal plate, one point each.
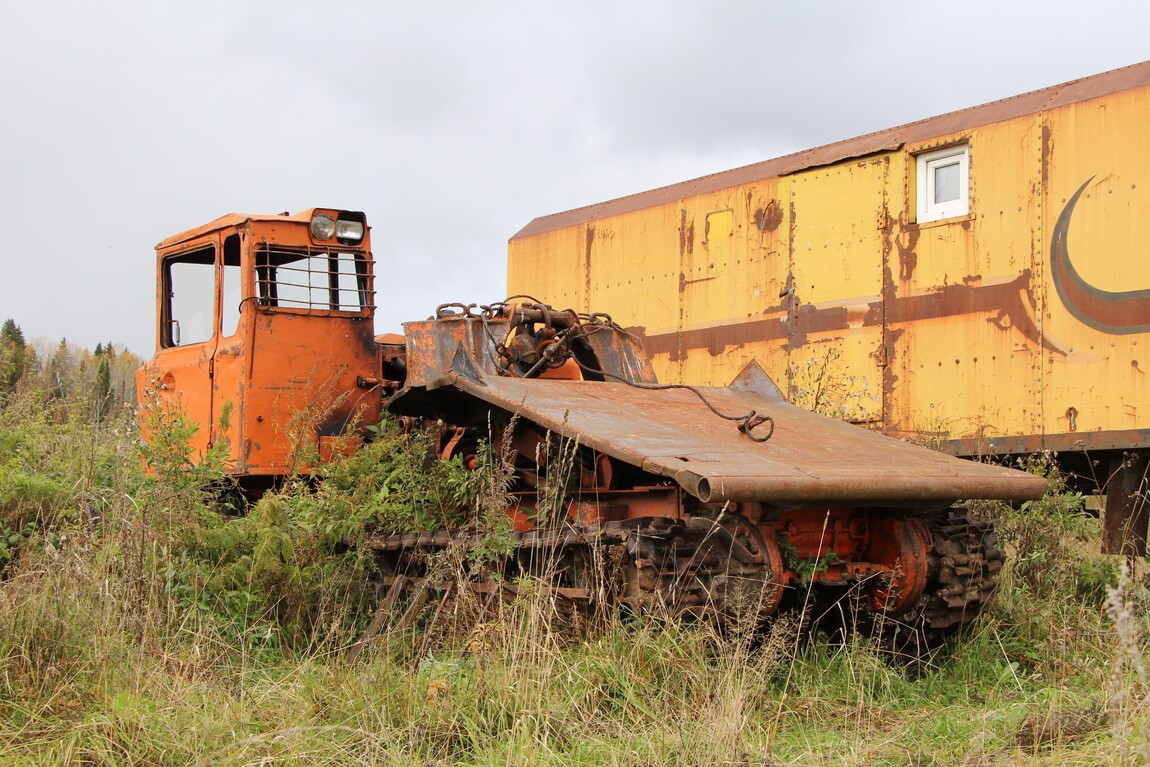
{"type": "Point", "coordinates": [810, 459]}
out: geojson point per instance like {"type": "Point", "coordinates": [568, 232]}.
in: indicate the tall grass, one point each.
{"type": "Point", "coordinates": [138, 625]}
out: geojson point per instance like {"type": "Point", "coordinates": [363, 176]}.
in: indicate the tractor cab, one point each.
{"type": "Point", "coordinates": [265, 338]}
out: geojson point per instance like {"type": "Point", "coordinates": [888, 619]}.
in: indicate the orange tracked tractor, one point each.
{"type": "Point", "coordinates": [714, 500]}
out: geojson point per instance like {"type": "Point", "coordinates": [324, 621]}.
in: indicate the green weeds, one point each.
{"type": "Point", "coordinates": [139, 624]}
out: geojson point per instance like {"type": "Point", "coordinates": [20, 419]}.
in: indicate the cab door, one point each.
{"type": "Point", "coordinates": [181, 373]}
{"type": "Point", "coordinates": [231, 355]}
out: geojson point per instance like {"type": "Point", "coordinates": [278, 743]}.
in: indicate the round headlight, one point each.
{"type": "Point", "coordinates": [322, 227]}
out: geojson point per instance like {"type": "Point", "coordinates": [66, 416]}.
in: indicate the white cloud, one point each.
{"type": "Point", "coordinates": [450, 124]}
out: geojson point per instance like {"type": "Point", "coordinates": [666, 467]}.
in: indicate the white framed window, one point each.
{"type": "Point", "coordinates": [944, 183]}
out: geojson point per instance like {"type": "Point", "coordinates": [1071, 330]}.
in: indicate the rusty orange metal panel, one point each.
{"type": "Point", "coordinates": [809, 459]}
{"type": "Point", "coordinates": [302, 387]}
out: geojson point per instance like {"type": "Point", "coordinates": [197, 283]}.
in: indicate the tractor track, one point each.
{"type": "Point", "coordinates": [722, 570]}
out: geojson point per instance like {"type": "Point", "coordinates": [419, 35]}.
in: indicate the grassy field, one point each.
{"type": "Point", "coordinates": [139, 626]}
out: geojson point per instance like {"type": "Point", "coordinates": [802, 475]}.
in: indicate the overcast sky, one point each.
{"type": "Point", "coordinates": [451, 125]}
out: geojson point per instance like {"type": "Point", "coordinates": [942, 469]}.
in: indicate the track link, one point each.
{"type": "Point", "coordinates": [967, 561]}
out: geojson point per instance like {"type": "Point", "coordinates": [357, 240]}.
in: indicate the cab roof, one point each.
{"type": "Point", "coordinates": [231, 220]}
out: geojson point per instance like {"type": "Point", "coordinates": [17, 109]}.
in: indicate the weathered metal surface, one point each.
{"type": "Point", "coordinates": [810, 459]}
{"type": "Point", "coordinates": [433, 344]}
{"type": "Point", "coordinates": [1124, 520]}
{"type": "Point", "coordinates": [518, 340]}
{"type": "Point", "coordinates": [1036, 443]}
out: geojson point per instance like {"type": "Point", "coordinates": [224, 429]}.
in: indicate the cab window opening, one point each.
{"type": "Point", "coordinates": [312, 280]}
{"type": "Point", "coordinates": [189, 298]}
{"type": "Point", "coordinates": [231, 291]}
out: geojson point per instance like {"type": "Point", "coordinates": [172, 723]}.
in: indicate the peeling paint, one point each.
{"type": "Point", "coordinates": [770, 217]}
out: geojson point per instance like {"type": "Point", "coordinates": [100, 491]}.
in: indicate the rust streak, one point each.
{"type": "Point", "coordinates": [1004, 304]}
{"type": "Point", "coordinates": [587, 267]}
{"type": "Point", "coordinates": [885, 353]}
{"type": "Point", "coordinates": [1047, 155]}
{"type": "Point", "coordinates": [907, 255]}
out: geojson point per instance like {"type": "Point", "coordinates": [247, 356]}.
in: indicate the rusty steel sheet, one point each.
{"type": "Point", "coordinates": [808, 460]}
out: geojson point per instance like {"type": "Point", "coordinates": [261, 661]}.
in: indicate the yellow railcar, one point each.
{"type": "Point", "coordinates": [980, 277]}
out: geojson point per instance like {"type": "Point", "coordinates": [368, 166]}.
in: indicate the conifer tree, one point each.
{"type": "Point", "coordinates": [13, 357]}
{"type": "Point", "coordinates": [102, 392]}
{"type": "Point", "coordinates": [61, 371]}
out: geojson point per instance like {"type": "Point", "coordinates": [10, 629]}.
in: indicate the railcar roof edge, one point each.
{"type": "Point", "coordinates": [889, 139]}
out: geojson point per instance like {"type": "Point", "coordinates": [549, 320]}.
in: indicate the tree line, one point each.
{"type": "Point", "coordinates": [101, 382]}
